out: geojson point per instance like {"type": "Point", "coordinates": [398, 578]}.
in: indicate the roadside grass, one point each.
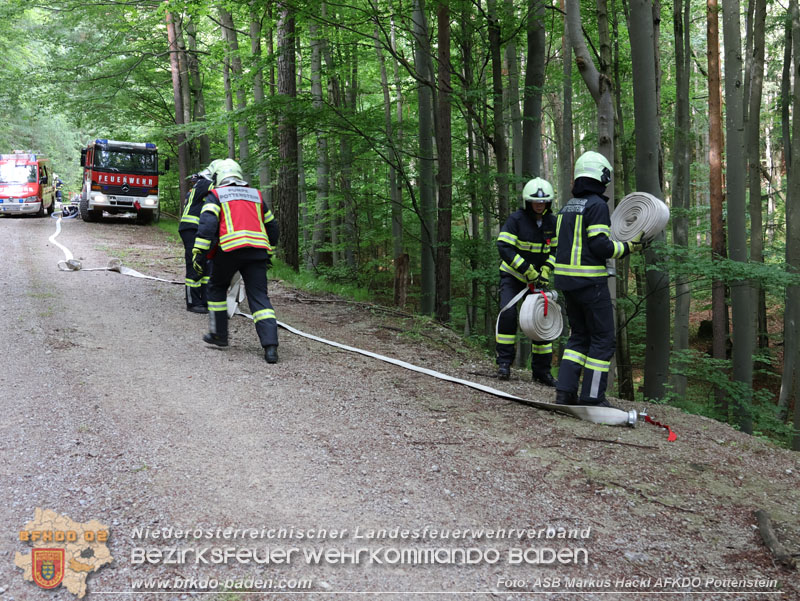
{"type": "Point", "coordinates": [169, 225]}
{"type": "Point", "coordinates": [308, 281]}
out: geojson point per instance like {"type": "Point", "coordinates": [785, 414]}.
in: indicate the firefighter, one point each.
{"type": "Point", "coordinates": [524, 247]}
{"type": "Point", "coordinates": [187, 230]}
{"type": "Point", "coordinates": [59, 186]}
{"type": "Point", "coordinates": [583, 235]}
{"type": "Point", "coordinates": [236, 220]}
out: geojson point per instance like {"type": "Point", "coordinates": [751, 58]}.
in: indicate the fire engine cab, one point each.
{"type": "Point", "coordinates": [120, 177]}
{"type": "Point", "coordinates": [26, 184]}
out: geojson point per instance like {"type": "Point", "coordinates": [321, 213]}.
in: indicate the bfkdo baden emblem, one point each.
{"type": "Point", "coordinates": [48, 567]}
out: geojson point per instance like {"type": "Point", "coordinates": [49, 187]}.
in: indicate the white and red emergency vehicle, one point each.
{"type": "Point", "coordinates": [26, 184]}
{"type": "Point", "coordinates": [120, 177]}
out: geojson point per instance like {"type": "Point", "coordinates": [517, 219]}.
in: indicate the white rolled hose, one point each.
{"type": "Point", "coordinates": [639, 212]}
{"type": "Point", "coordinates": [540, 316]}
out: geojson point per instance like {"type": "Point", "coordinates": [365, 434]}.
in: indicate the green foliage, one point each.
{"type": "Point", "coordinates": [309, 281]}
{"type": "Point", "coordinates": [707, 376]}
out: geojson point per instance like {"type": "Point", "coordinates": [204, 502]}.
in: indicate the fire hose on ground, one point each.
{"type": "Point", "coordinates": [598, 415]}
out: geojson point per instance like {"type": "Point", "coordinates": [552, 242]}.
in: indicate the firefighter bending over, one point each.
{"type": "Point", "coordinates": [524, 245]}
{"type": "Point", "coordinates": [236, 218]}
{"type": "Point", "coordinates": [584, 239]}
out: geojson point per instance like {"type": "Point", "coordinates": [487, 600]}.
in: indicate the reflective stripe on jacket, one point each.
{"type": "Point", "coordinates": [583, 238]}
{"type": "Point", "coordinates": [522, 242]}
{"type": "Point", "coordinates": [236, 217]}
{"type": "Point", "coordinates": [194, 204]}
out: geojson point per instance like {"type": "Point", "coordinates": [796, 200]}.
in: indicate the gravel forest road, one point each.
{"type": "Point", "coordinates": [113, 409]}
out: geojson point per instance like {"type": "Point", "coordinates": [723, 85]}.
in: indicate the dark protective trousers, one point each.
{"type": "Point", "coordinates": [195, 283]}
{"type": "Point", "coordinates": [541, 352]}
{"type": "Point", "coordinates": [591, 343]}
{"type": "Point", "coordinates": [254, 274]}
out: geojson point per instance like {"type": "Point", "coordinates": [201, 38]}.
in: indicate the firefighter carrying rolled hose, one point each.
{"type": "Point", "coordinates": [524, 244]}
{"type": "Point", "coordinates": [583, 233]}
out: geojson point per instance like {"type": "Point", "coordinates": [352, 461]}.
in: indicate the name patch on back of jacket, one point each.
{"type": "Point", "coordinates": [575, 205]}
{"type": "Point", "coordinates": [229, 193]}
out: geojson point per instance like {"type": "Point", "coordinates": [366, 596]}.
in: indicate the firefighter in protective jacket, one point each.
{"type": "Point", "coordinates": [236, 221]}
{"type": "Point", "coordinates": [583, 238]}
{"type": "Point", "coordinates": [195, 283]}
{"type": "Point", "coordinates": [524, 244]}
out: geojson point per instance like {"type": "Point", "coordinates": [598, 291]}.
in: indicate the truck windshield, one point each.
{"type": "Point", "coordinates": [126, 161]}
{"type": "Point", "coordinates": [11, 173]}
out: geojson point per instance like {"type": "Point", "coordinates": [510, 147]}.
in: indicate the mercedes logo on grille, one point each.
{"type": "Point", "coordinates": [125, 187]}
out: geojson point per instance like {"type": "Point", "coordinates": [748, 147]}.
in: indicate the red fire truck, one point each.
{"type": "Point", "coordinates": [26, 184]}
{"type": "Point", "coordinates": [120, 177]}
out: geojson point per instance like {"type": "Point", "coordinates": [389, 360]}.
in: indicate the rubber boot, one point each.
{"type": "Point", "coordinates": [503, 371]}
{"type": "Point", "coordinates": [546, 380]}
{"type": "Point", "coordinates": [566, 398]}
{"type": "Point", "coordinates": [271, 353]}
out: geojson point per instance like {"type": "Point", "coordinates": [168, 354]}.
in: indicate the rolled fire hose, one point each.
{"type": "Point", "coordinates": [540, 316]}
{"type": "Point", "coordinates": [598, 415]}
{"type": "Point", "coordinates": [639, 212]}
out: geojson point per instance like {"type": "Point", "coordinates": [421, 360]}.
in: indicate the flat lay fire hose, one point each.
{"type": "Point", "coordinates": [236, 294]}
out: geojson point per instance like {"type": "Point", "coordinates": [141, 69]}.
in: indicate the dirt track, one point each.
{"type": "Point", "coordinates": [114, 409]}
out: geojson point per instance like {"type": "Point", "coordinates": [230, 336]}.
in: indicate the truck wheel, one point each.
{"type": "Point", "coordinates": [52, 208]}
{"type": "Point", "coordinates": [83, 207]}
{"type": "Point", "coordinates": [40, 212]}
{"type": "Point", "coordinates": [144, 217]}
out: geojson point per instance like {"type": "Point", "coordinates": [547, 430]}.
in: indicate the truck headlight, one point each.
{"type": "Point", "coordinates": [149, 202]}
{"type": "Point", "coordinates": [31, 199]}
{"type": "Point", "coordinates": [100, 198]}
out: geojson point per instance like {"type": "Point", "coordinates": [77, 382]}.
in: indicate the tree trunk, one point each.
{"type": "Point", "coordinates": [262, 133]}
{"type": "Point", "coordinates": [500, 146]}
{"type": "Point", "coordinates": [426, 183]}
{"type": "Point", "coordinates": [226, 82]}
{"type": "Point", "coordinates": [719, 311]}
{"type": "Point", "coordinates": [681, 183]}
{"type": "Point", "coordinates": [198, 105]}
{"type": "Point", "coordinates": [743, 307]}
{"type": "Point", "coordinates": [648, 136]}
{"type": "Point", "coordinates": [791, 377]}
{"type": "Point", "coordinates": [472, 186]}
{"type": "Point", "coordinates": [186, 93]}
{"type": "Point", "coordinates": [625, 383]}
{"type": "Point", "coordinates": [397, 192]}
{"type": "Point", "coordinates": [755, 79]}
{"type": "Point", "coordinates": [566, 157]}
{"type": "Point", "coordinates": [287, 205]}
{"type": "Point", "coordinates": [232, 39]}
{"type": "Point", "coordinates": [183, 158]}
{"type": "Point", "coordinates": [514, 113]}
{"type": "Point", "coordinates": [445, 179]}
{"type": "Point", "coordinates": [322, 185]}
{"type": "Point", "coordinates": [791, 345]}
{"type": "Point", "coordinates": [532, 97]}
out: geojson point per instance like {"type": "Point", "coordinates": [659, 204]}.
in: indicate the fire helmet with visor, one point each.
{"type": "Point", "coordinates": [538, 190]}
{"type": "Point", "coordinates": [594, 166]}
